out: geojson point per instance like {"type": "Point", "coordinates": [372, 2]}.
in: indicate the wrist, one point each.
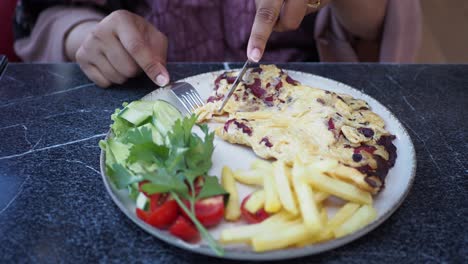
{"type": "Point", "coordinates": [75, 36]}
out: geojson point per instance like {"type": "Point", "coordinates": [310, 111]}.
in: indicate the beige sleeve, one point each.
{"type": "Point", "coordinates": [46, 41]}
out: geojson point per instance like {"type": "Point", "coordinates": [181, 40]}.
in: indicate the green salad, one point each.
{"type": "Point", "coordinates": [154, 153]}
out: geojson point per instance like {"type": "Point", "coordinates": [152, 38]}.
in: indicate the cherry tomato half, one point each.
{"type": "Point", "coordinates": [209, 211]}
{"type": "Point", "coordinates": [142, 214]}
{"type": "Point", "coordinates": [162, 217]}
{"type": "Point", "coordinates": [184, 229]}
{"type": "Point", "coordinates": [257, 217]}
{"type": "Point", "coordinates": [157, 200]}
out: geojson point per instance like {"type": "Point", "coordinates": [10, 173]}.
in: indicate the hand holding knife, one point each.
{"type": "Point", "coordinates": [234, 85]}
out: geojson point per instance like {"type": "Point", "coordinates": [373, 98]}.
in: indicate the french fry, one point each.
{"type": "Point", "coordinates": [362, 217]}
{"type": "Point", "coordinates": [320, 196]}
{"type": "Point", "coordinates": [290, 234]}
{"type": "Point", "coordinates": [232, 212]}
{"type": "Point", "coordinates": [244, 234]}
{"type": "Point", "coordinates": [339, 218]}
{"type": "Point", "coordinates": [338, 188]}
{"type": "Point", "coordinates": [324, 215]}
{"type": "Point", "coordinates": [295, 200]}
{"type": "Point", "coordinates": [256, 201]}
{"type": "Point", "coordinates": [345, 212]}
{"type": "Point", "coordinates": [307, 205]}
{"type": "Point", "coordinates": [272, 201]}
{"type": "Point", "coordinates": [323, 235]}
{"type": "Point", "coordinates": [284, 188]}
{"type": "Point", "coordinates": [249, 177]}
{"type": "Point", "coordinates": [260, 164]}
{"type": "Point", "coordinates": [281, 216]}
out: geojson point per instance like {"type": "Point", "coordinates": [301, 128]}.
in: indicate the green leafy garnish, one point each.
{"type": "Point", "coordinates": [164, 151]}
{"type": "Point", "coordinates": [133, 191]}
{"type": "Point", "coordinates": [211, 187]}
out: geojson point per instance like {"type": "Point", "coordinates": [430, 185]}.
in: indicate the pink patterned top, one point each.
{"type": "Point", "coordinates": [206, 30]}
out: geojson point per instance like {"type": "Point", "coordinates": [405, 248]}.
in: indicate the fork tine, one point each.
{"type": "Point", "coordinates": [188, 97]}
{"type": "Point", "coordinates": [194, 99]}
{"type": "Point", "coordinates": [184, 104]}
{"type": "Point", "coordinates": [191, 100]}
{"type": "Point", "coordinates": [198, 97]}
{"type": "Point", "coordinates": [188, 102]}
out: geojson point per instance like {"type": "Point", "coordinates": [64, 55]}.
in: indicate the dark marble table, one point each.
{"type": "Point", "coordinates": [54, 207]}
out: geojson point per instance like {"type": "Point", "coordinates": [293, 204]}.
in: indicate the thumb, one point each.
{"type": "Point", "coordinates": [148, 46]}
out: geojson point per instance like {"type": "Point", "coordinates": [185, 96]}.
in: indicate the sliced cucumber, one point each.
{"type": "Point", "coordinates": [157, 137]}
{"type": "Point", "coordinates": [140, 168]}
{"type": "Point", "coordinates": [137, 112]}
{"type": "Point", "coordinates": [164, 116]}
{"type": "Point", "coordinates": [142, 201]}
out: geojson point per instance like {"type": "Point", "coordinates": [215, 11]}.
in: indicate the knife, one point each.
{"type": "Point", "coordinates": [234, 85]}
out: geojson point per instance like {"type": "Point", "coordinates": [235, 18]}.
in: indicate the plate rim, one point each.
{"type": "Point", "coordinates": [281, 254]}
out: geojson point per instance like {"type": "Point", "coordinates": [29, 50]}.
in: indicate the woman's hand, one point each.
{"type": "Point", "coordinates": [362, 18]}
{"type": "Point", "coordinates": [118, 47]}
{"type": "Point", "coordinates": [278, 15]}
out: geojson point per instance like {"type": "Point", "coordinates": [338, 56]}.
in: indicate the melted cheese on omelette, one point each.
{"type": "Point", "coordinates": [282, 119]}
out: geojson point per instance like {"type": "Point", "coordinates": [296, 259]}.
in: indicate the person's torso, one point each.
{"type": "Point", "coordinates": [207, 30]}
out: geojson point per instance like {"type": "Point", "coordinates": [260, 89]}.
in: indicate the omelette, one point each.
{"type": "Point", "coordinates": [279, 118]}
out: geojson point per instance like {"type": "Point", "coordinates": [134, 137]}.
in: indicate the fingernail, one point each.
{"type": "Point", "coordinates": [161, 80]}
{"type": "Point", "coordinates": [255, 54]}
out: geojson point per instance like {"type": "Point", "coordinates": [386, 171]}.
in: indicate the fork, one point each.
{"type": "Point", "coordinates": [187, 96]}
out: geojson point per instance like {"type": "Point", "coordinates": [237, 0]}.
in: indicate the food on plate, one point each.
{"type": "Point", "coordinates": [250, 177]}
{"type": "Point", "coordinates": [184, 229]}
{"type": "Point", "coordinates": [255, 201]}
{"type": "Point", "coordinates": [319, 151]}
{"type": "Point", "coordinates": [272, 201]}
{"type": "Point", "coordinates": [285, 192]}
{"type": "Point", "coordinates": [233, 211]}
{"type": "Point", "coordinates": [280, 118]}
{"type": "Point", "coordinates": [338, 188]}
{"type": "Point", "coordinates": [310, 224]}
{"type": "Point", "coordinates": [253, 207]}
{"type": "Point", "coordinates": [307, 204]}
{"type": "Point", "coordinates": [359, 219]}
{"type": "Point", "coordinates": [154, 153]}
{"type": "Point", "coordinates": [336, 221]}
{"type": "Point", "coordinates": [209, 211]}
{"type": "Point", "coordinates": [245, 233]}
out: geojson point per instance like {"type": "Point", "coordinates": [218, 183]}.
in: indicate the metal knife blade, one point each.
{"type": "Point", "coordinates": [234, 85]}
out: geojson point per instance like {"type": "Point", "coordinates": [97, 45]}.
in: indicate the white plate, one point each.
{"type": "Point", "coordinates": [398, 181]}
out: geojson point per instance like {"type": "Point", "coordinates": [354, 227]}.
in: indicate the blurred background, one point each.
{"type": "Point", "coordinates": [444, 40]}
{"type": "Point", "coordinates": [445, 32]}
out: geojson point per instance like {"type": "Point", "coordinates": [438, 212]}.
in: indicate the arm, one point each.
{"type": "Point", "coordinates": [43, 40]}
{"type": "Point", "coordinates": [109, 49]}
